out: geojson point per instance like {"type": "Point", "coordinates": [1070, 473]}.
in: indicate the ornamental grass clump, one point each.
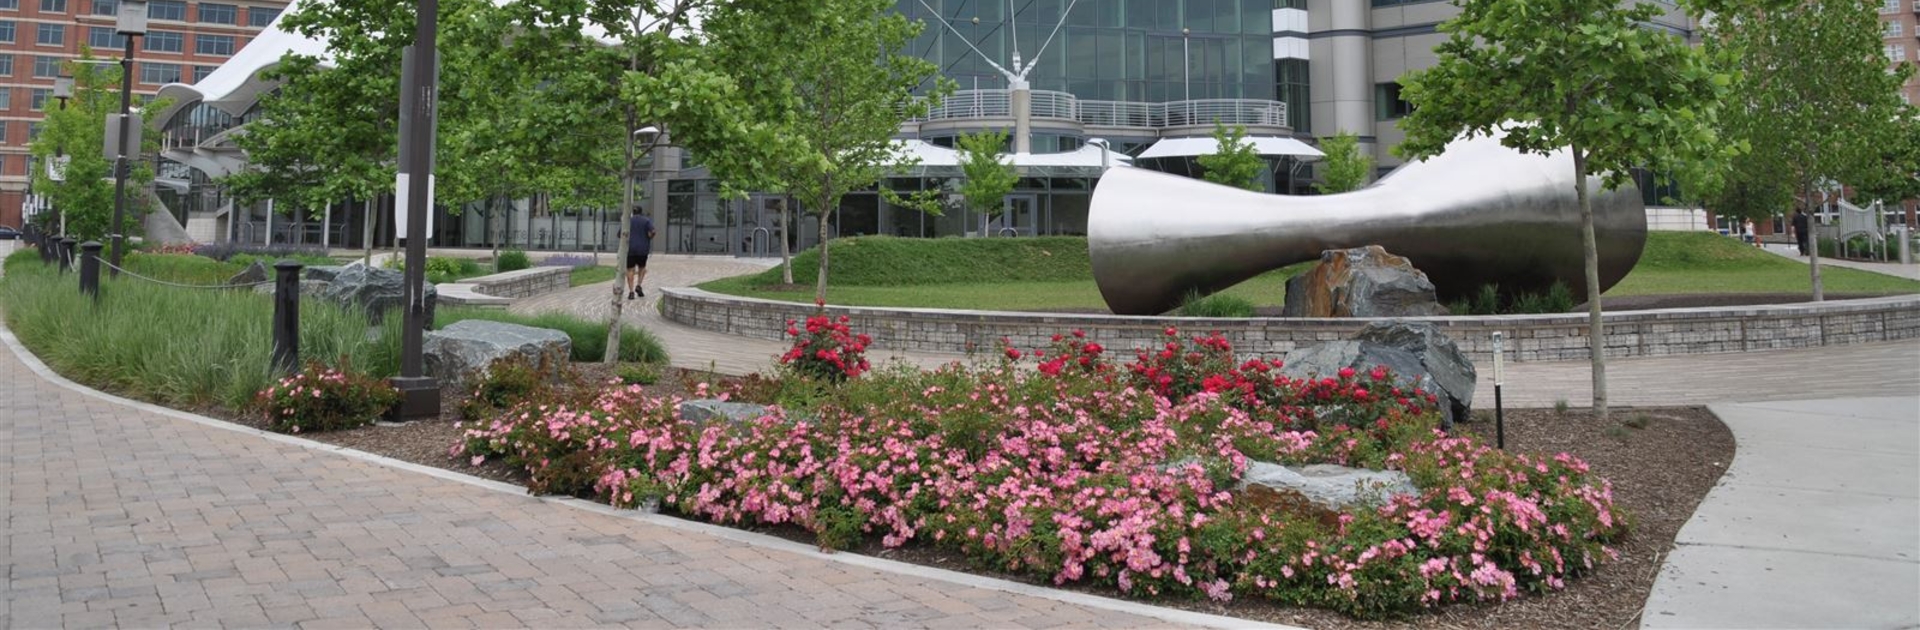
{"type": "Point", "coordinates": [320, 398]}
{"type": "Point", "coordinates": [1090, 471]}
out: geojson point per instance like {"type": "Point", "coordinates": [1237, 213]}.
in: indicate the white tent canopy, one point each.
{"type": "Point", "coordinates": [1264, 145]}
{"type": "Point", "coordinates": [935, 156]}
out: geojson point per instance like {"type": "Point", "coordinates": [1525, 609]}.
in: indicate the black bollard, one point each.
{"type": "Point", "coordinates": [90, 269]}
{"type": "Point", "coordinates": [64, 251]}
{"type": "Point", "coordinates": [286, 315]}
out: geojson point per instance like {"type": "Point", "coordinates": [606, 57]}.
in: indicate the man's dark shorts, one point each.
{"type": "Point", "coordinates": [636, 260]}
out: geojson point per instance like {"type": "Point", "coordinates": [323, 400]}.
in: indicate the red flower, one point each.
{"type": "Point", "coordinates": [1013, 353]}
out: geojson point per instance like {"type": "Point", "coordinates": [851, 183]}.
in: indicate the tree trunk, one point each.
{"type": "Point", "coordinates": [366, 232]}
{"type": "Point", "coordinates": [786, 253]}
{"type": "Point", "coordinates": [820, 285]}
{"type": "Point", "coordinates": [1596, 336]}
{"type": "Point", "coordinates": [612, 354]}
{"type": "Point", "coordinates": [1813, 241]}
{"type": "Point", "coordinates": [493, 234]}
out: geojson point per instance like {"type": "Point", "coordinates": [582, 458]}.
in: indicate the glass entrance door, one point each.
{"type": "Point", "coordinates": [760, 226]}
{"type": "Point", "coordinates": [1019, 215]}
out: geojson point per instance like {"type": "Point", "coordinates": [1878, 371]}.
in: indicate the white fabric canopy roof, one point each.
{"type": "Point", "coordinates": [1264, 145]}
{"type": "Point", "coordinates": [932, 155]}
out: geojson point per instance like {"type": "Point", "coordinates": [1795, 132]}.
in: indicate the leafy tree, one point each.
{"type": "Point", "coordinates": [1345, 167]}
{"type": "Point", "coordinates": [1897, 177]}
{"type": "Point", "coordinates": [1235, 162]}
{"type": "Point", "coordinates": [73, 139]}
{"type": "Point", "coordinates": [1577, 75]}
{"type": "Point", "coordinates": [835, 84]}
{"type": "Point", "coordinates": [988, 179]}
{"type": "Point", "coordinates": [1815, 103]}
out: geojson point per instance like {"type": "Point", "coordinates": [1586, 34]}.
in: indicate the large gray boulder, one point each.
{"type": "Point", "coordinates": [1419, 355]}
{"type": "Point", "coordinates": [254, 273]}
{"type": "Point", "coordinates": [1325, 487]}
{"type": "Point", "coordinates": [1361, 282]}
{"type": "Point", "coordinates": [374, 289]}
{"type": "Point", "coordinates": [710, 411]}
{"type": "Point", "coordinates": [467, 349]}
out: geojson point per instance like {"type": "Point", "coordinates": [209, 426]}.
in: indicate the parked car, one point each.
{"type": "Point", "coordinates": [7, 233]}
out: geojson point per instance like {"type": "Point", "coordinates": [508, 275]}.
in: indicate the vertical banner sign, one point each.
{"type": "Point", "coordinates": [403, 179]}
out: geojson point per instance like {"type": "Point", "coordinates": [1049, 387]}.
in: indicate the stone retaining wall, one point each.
{"type": "Point", "coordinates": [1560, 337]}
{"type": "Point", "coordinates": [523, 283]}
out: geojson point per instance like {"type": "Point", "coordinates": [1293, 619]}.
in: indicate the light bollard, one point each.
{"type": "Point", "coordinates": [1499, 378]}
{"type": "Point", "coordinates": [90, 269]}
{"type": "Point", "coordinates": [65, 253]}
{"type": "Point", "coordinates": [286, 315]}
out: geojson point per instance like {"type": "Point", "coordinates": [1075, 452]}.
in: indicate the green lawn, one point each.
{"type": "Point", "coordinates": [583, 276]}
{"type": "Point", "coordinates": [1051, 275]}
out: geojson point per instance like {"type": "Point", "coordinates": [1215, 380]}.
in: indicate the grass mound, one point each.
{"type": "Point", "coordinates": [879, 261]}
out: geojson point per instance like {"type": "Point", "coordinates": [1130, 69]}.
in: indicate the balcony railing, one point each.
{"type": "Point", "coordinates": [966, 104]}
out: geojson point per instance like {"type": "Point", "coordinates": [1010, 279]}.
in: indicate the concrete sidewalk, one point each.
{"type": "Point", "coordinates": [1897, 270]}
{"type": "Point", "coordinates": [1815, 525]}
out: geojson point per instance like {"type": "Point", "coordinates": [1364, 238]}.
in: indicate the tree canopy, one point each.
{"type": "Point", "coordinates": [1345, 167]}
{"type": "Point", "coordinates": [988, 177]}
{"type": "Point", "coordinates": [1234, 162]}
{"type": "Point", "coordinates": [1584, 76]}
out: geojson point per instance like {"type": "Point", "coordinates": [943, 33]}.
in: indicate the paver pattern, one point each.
{"type": "Point", "coordinates": [116, 516]}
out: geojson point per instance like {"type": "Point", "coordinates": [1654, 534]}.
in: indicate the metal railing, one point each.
{"type": "Point", "coordinates": [1048, 104]}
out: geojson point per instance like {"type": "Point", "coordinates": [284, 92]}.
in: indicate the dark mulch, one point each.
{"type": "Point", "coordinates": [1660, 472]}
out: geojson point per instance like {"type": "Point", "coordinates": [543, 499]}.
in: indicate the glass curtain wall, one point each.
{"type": "Point", "coordinates": [1118, 50]}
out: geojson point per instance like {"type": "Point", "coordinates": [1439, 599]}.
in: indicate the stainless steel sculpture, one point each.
{"type": "Point", "coordinates": [1478, 213]}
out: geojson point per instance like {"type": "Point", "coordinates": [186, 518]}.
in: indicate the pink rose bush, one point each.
{"type": "Point", "coordinates": [825, 348]}
{"type": "Point", "coordinates": [320, 398]}
{"type": "Point", "coordinates": [1084, 470]}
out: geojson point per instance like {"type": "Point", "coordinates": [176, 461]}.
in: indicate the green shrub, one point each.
{"type": "Point", "coordinates": [512, 260]}
{"type": "Point", "coordinates": [508, 382]}
{"type": "Point", "coordinates": [1489, 300]}
{"type": "Point", "coordinates": [182, 347]}
{"type": "Point", "coordinates": [1216, 305]}
{"type": "Point", "coordinates": [638, 373]}
{"type": "Point", "coordinates": [589, 337]}
{"type": "Point", "coordinates": [442, 269]}
{"type": "Point", "coordinates": [321, 398]}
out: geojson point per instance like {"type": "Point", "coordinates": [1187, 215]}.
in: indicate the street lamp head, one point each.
{"type": "Point", "coordinates": [646, 135]}
{"type": "Point", "coordinates": [63, 87]}
{"type": "Point", "coordinates": [131, 20]}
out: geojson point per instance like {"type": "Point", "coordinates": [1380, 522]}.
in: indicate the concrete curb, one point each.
{"type": "Point", "coordinates": [1170, 615]}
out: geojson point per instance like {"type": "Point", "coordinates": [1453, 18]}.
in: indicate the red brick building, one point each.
{"type": "Point", "coordinates": [185, 40]}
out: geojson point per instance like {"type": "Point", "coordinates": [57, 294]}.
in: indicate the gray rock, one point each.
{"type": "Point", "coordinates": [308, 288]}
{"type": "Point", "coordinates": [1361, 282]}
{"type": "Point", "coordinates": [1329, 487]}
{"type": "Point", "coordinates": [468, 348]}
{"type": "Point", "coordinates": [376, 290]}
{"type": "Point", "coordinates": [707, 411]}
{"type": "Point", "coordinates": [1417, 353]}
{"type": "Point", "coordinates": [255, 272]}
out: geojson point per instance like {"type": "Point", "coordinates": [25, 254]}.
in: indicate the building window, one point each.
{"type": "Point", "coordinates": [51, 35]}
{"type": "Point", "coordinates": [46, 67]}
{"type": "Point", "coordinates": [261, 16]}
{"type": "Point", "coordinates": [1893, 28]}
{"type": "Point", "coordinates": [3, 138]}
{"type": "Point", "coordinates": [1896, 52]}
{"type": "Point", "coordinates": [106, 7]}
{"type": "Point", "coordinates": [38, 99]}
{"type": "Point", "coordinates": [162, 41]}
{"type": "Point", "coordinates": [53, 6]}
{"type": "Point", "coordinates": [6, 98]}
{"type": "Point", "coordinates": [1387, 103]}
{"type": "Point", "coordinates": [159, 72]}
{"type": "Point", "coordinates": [167, 10]}
{"type": "Point", "coordinates": [1291, 87]}
{"type": "Point", "coordinates": [200, 72]}
{"type": "Point", "coordinates": [10, 5]}
{"type": "Point", "coordinates": [6, 31]}
{"type": "Point", "coordinates": [213, 44]}
{"type": "Point", "coordinates": [1890, 6]}
{"type": "Point", "coordinates": [104, 38]}
{"type": "Point", "coordinates": [6, 65]}
{"type": "Point", "coordinates": [218, 13]}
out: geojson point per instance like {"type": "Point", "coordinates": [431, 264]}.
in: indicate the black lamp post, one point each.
{"type": "Point", "coordinates": [62, 91]}
{"type": "Point", "coordinates": [131, 23]}
{"type": "Point", "coordinates": [419, 393]}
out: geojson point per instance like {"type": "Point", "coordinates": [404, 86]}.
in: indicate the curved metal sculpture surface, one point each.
{"type": "Point", "coordinates": [1478, 213]}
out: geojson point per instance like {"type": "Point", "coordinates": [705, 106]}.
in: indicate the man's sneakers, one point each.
{"type": "Point", "coordinates": [630, 295]}
{"type": "Point", "coordinates": [636, 293]}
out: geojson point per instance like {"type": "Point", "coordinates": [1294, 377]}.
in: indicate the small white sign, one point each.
{"type": "Point", "coordinates": [1499, 356]}
{"type": "Point", "coordinates": [400, 206]}
{"type": "Point", "coordinates": [57, 167]}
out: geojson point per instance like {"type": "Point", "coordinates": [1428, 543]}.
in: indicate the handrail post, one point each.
{"type": "Point", "coordinates": [286, 315]}
{"type": "Point", "coordinates": [90, 269]}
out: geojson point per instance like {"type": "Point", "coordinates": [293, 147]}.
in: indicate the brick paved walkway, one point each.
{"type": "Point", "coordinates": [125, 515]}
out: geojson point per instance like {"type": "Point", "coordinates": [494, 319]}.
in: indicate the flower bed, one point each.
{"type": "Point", "coordinates": [1089, 470]}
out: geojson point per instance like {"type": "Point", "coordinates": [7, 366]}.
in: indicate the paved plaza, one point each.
{"type": "Point", "coordinates": [125, 514]}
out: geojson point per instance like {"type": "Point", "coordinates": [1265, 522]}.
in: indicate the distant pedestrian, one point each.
{"type": "Point", "coordinates": [1801, 233]}
{"type": "Point", "coordinates": [1746, 231]}
{"type": "Point", "coordinates": [639, 245]}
